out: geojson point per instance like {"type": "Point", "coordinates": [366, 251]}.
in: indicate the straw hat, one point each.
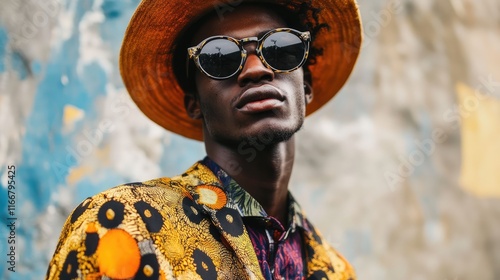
{"type": "Point", "coordinates": [147, 55]}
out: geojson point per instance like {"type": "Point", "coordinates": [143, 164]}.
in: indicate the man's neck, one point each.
{"type": "Point", "coordinates": [264, 172]}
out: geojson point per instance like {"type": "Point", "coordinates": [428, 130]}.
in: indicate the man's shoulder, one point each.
{"type": "Point", "coordinates": [160, 193]}
{"type": "Point", "coordinates": [151, 226]}
{"type": "Point", "coordinates": [197, 174]}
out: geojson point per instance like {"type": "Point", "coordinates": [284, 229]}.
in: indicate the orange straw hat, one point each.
{"type": "Point", "coordinates": [147, 55]}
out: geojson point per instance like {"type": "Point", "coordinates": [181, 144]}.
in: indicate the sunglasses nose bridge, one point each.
{"type": "Point", "coordinates": [248, 45]}
{"type": "Point", "coordinates": [251, 46]}
{"type": "Point", "coordinates": [254, 69]}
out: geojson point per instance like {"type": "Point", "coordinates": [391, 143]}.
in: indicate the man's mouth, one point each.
{"type": "Point", "coordinates": [259, 99]}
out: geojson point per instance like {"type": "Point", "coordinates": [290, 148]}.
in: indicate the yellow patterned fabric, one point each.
{"type": "Point", "coordinates": [183, 227]}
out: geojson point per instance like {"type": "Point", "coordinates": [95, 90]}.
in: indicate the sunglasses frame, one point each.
{"type": "Point", "coordinates": [194, 52]}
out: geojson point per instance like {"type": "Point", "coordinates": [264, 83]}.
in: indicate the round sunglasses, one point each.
{"type": "Point", "coordinates": [221, 57]}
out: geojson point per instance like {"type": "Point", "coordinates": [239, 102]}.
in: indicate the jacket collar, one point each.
{"type": "Point", "coordinates": [246, 204]}
{"type": "Point", "coordinates": [207, 184]}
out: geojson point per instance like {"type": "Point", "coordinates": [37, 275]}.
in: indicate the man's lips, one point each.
{"type": "Point", "coordinates": [259, 99]}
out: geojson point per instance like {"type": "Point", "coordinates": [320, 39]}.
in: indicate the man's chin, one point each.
{"type": "Point", "coordinates": [270, 136]}
{"type": "Point", "coordinates": [260, 137]}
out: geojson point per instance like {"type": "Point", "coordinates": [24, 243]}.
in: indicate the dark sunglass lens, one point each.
{"type": "Point", "coordinates": [220, 58]}
{"type": "Point", "coordinates": [283, 50]}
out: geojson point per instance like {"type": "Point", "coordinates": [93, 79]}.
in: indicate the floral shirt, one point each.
{"type": "Point", "coordinates": [278, 249]}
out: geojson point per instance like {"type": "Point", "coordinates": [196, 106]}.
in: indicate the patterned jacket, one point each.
{"type": "Point", "coordinates": [183, 227]}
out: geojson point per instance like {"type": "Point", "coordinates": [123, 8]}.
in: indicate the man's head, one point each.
{"type": "Point", "coordinates": [257, 100]}
{"type": "Point", "coordinates": [150, 64]}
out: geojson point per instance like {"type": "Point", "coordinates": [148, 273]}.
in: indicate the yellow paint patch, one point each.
{"type": "Point", "coordinates": [480, 116]}
{"type": "Point", "coordinates": [77, 173]}
{"type": "Point", "coordinates": [72, 115]}
{"type": "Point", "coordinates": [102, 155]}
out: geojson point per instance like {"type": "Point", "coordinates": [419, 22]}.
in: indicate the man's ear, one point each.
{"type": "Point", "coordinates": [192, 106]}
{"type": "Point", "coordinates": [308, 92]}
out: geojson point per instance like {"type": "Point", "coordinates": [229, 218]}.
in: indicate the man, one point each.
{"type": "Point", "coordinates": [245, 89]}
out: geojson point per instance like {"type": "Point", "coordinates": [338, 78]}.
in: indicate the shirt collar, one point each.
{"type": "Point", "coordinates": [246, 204]}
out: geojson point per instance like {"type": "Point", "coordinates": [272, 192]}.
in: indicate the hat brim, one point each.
{"type": "Point", "coordinates": [146, 57]}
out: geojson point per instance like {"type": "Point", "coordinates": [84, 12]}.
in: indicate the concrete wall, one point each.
{"type": "Point", "coordinates": [399, 171]}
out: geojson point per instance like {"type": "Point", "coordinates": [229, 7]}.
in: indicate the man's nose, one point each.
{"type": "Point", "coordinates": [254, 70]}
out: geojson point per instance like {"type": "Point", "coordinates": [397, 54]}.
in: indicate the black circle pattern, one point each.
{"type": "Point", "coordinates": [118, 209]}
{"type": "Point", "coordinates": [152, 261]}
{"type": "Point", "coordinates": [155, 220]}
{"type": "Point", "coordinates": [192, 211]}
{"type": "Point", "coordinates": [204, 265]}
{"type": "Point", "coordinates": [70, 267]}
{"type": "Point", "coordinates": [91, 242]}
{"type": "Point", "coordinates": [80, 209]}
{"type": "Point", "coordinates": [230, 221]}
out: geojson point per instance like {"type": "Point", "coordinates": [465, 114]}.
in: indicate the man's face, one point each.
{"type": "Point", "coordinates": [256, 102]}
